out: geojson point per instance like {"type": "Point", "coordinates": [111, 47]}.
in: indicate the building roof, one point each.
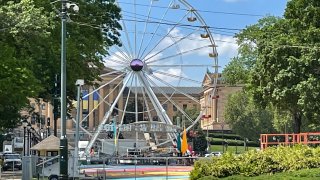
{"type": "Point", "coordinates": [50, 143]}
{"type": "Point", "coordinates": [169, 90]}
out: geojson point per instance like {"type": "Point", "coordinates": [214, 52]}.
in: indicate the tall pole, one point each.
{"type": "Point", "coordinates": [79, 83]}
{"type": "Point", "coordinates": [24, 141]}
{"type": "Point", "coordinates": [63, 117]}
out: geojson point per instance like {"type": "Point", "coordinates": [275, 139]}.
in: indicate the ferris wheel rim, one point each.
{"type": "Point", "coordinates": [128, 55]}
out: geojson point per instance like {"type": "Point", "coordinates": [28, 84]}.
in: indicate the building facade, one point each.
{"type": "Point", "coordinates": [95, 104]}
{"type": "Point", "coordinates": [214, 106]}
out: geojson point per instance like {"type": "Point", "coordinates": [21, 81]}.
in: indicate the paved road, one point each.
{"type": "Point", "coordinates": [11, 175]}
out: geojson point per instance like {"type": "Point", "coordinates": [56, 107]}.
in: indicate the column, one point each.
{"type": "Point", "coordinates": [102, 104]}
{"type": "Point", "coordinates": [90, 119]}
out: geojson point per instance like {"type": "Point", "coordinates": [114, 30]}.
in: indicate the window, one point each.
{"type": "Point", "coordinates": [194, 106]}
{"type": "Point", "coordinates": [43, 106]}
{"type": "Point", "coordinates": [165, 107]}
{"type": "Point", "coordinates": [174, 108]}
{"type": "Point", "coordinates": [185, 106]}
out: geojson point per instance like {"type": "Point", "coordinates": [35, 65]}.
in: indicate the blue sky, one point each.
{"type": "Point", "coordinates": [251, 7]}
{"type": "Point", "coordinates": [177, 35]}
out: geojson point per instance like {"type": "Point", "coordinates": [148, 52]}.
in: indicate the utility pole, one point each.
{"type": "Point", "coordinates": [63, 138]}
{"type": "Point", "coordinates": [79, 83]}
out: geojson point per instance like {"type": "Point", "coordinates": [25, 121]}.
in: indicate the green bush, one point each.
{"type": "Point", "coordinates": [255, 163]}
{"type": "Point", "coordinates": [225, 136]}
{"type": "Point", "coordinates": [218, 141]}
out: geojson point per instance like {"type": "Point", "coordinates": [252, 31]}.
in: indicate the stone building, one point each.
{"type": "Point", "coordinates": [213, 118]}
{"type": "Point", "coordinates": [112, 83]}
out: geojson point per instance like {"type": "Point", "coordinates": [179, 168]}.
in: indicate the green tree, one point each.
{"type": "Point", "coordinates": [239, 68]}
{"type": "Point", "coordinates": [30, 48]}
{"type": "Point", "coordinates": [245, 118]}
{"type": "Point", "coordinates": [286, 73]}
{"type": "Point", "coordinates": [17, 81]}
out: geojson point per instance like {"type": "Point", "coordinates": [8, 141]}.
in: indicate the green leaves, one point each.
{"type": "Point", "coordinates": [245, 118]}
{"type": "Point", "coordinates": [30, 49]}
{"type": "Point", "coordinates": [254, 163]}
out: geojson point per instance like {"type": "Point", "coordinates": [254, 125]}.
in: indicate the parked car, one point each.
{"type": "Point", "coordinates": [213, 154]}
{"type": "Point", "coordinates": [10, 161]}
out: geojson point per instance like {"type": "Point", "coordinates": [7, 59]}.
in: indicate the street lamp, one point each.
{"type": "Point", "coordinates": [24, 124]}
{"type": "Point", "coordinates": [79, 83]}
{"type": "Point", "coordinates": [63, 117]}
{"type": "Point", "coordinates": [28, 128]}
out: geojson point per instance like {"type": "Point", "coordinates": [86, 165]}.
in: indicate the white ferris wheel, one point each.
{"type": "Point", "coordinates": [166, 46]}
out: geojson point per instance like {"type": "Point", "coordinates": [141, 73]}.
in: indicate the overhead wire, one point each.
{"type": "Point", "coordinates": [98, 27]}
{"type": "Point", "coordinates": [205, 11]}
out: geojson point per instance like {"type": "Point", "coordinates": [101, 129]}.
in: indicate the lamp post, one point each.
{"type": "Point", "coordinates": [79, 83]}
{"type": "Point", "coordinates": [28, 128]}
{"type": "Point", "coordinates": [63, 115]}
{"type": "Point", "coordinates": [24, 124]}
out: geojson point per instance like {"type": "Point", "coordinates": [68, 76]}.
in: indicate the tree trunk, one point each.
{"type": "Point", "coordinates": [297, 122]}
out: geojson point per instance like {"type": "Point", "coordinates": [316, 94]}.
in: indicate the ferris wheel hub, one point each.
{"type": "Point", "coordinates": [136, 65]}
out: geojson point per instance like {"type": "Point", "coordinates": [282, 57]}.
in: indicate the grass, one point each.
{"type": "Point", "coordinates": [305, 174]}
{"type": "Point", "coordinates": [232, 149]}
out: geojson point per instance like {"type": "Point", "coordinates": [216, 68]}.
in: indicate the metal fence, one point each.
{"type": "Point", "coordinates": [117, 167]}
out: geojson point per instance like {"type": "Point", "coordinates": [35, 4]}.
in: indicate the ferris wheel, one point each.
{"type": "Point", "coordinates": [166, 47]}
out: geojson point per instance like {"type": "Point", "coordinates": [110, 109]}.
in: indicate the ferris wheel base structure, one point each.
{"type": "Point", "coordinates": [162, 51]}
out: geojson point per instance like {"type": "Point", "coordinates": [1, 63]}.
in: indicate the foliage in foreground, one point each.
{"type": "Point", "coordinates": [310, 174]}
{"type": "Point", "coordinates": [255, 163]}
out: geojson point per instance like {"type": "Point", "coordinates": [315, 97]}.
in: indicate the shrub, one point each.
{"type": "Point", "coordinates": [254, 163]}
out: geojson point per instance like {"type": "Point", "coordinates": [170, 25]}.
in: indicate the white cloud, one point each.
{"type": "Point", "coordinates": [116, 61]}
{"type": "Point", "coordinates": [227, 46]}
{"type": "Point", "coordinates": [169, 79]}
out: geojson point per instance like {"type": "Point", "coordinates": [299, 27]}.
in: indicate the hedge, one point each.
{"type": "Point", "coordinates": [255, 163]}
{"type": "Point", "coordinates": [217, 141]}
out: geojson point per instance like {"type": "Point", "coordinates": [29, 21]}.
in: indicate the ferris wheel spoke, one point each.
{"type": "Point", "coordinates": [156, 30]}
{"type": "Point", "coordinates": [158, 107]}
{"type": "Point", "coordinates": [124, 54]}
{"type": "Point", "coordinates": [174, 43]}
{"type": "Point", "coordinates": [171, 101]}
{"type": "Point", "coordinates": [175, 76]}
{"type": "Point", "coordinates": [185, 94]}
{"type": "Point", "coordinates": [106, 116]}
{"type": "Point", "coordinates": [121, 63]}
{"type": "Point", "coordinates": [178, 54]}
{"type": "Point", "coordinates": [148, 110]}
{"type": "Point", "coordinates": [111, 81]}
{"type": "Point", "coordinates": [180, 65]}
{"type": "Point", "coordinates": [109, 73]}
{"type": "Point", "coordinates": [121, 59]}
{"type": "Point", "coordinates": [125, 107]}
{"type": "Point", "coordinates": [125, 30]}
{"type": "Point", "coordinates": [168, 33]}
{"type": "Point", "coordinates": [145, 27]}
{"type": "Point", "coordinates": [102, 99]}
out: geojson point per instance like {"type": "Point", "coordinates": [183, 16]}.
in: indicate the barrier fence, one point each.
{"type": "Point", "coordinates": [309, 138]}
{"type": "Point", "coordinates": [117, 167]}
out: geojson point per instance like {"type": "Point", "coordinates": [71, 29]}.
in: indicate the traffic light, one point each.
{"type": "Point", "coordinates": [48, 121]}
{"type": "Point", "coordinates": [57, 86]}
{"type": "Point", "coordinates": [56, 107]}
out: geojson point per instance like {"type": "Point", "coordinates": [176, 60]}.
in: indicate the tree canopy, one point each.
{"type": "Point", "coordinates": [283, 71]}
{"type": "Point", "coordinates": [30, 33]}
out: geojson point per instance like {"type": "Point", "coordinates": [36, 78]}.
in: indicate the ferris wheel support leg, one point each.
{"type": "Point", "coordinates": [106, 116]}
{"type": "Point", "coordinates": [158, 107]}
